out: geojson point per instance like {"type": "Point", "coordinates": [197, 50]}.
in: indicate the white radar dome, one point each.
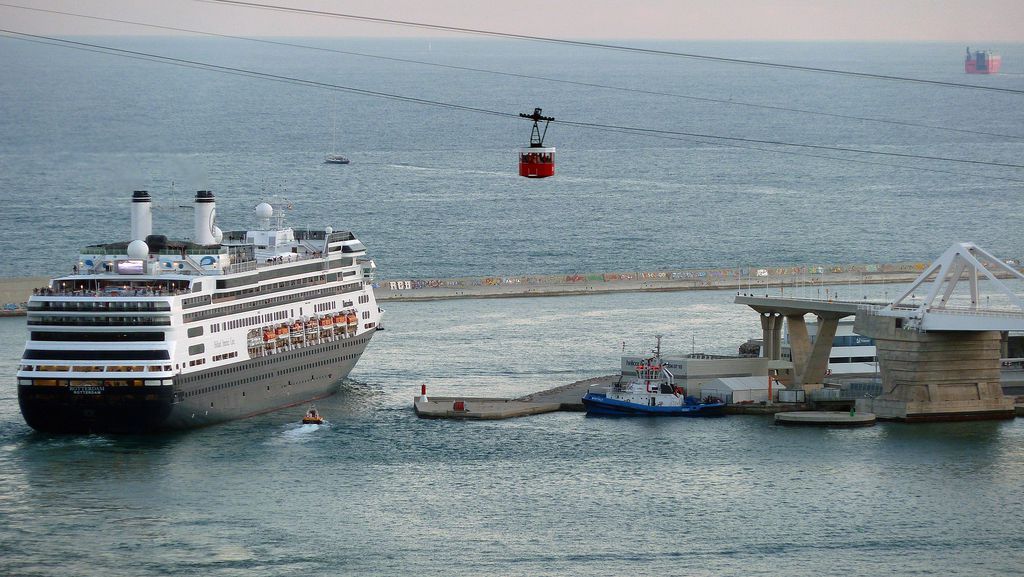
{"type": "Point", "coordinates": [328, 230]}
{"type": "Point", "coordinates": [264, 210]}
{"type": "Point", "coordinates": [138, 249]}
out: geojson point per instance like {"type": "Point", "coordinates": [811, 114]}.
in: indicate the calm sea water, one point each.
{"type": "Point", "coordinates": [432, 193]}
{"type": "Point", "coordinates": [380, 492]}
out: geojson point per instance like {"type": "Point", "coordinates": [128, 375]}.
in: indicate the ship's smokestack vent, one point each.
{"type": "Point", "coordinates": [205, 213]}
{"type": "Point", "coordinates": [142, 215]}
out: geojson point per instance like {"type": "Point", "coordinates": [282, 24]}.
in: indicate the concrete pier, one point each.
{"type": "Point", "coordinates": [565, 398]}
{"type": "Point", "coordinates": [834, 419]}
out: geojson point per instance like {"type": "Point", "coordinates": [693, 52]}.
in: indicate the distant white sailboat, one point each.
{"type": "Point", "coordinates": [334, 157]}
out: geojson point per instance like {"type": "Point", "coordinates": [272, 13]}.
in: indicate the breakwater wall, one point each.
{"type": "Point", "coordinates": [753, 279]}
{"type": "Point", "coordinates": [15, 291]}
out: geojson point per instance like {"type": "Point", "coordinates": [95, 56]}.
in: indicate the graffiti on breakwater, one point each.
{"type": "Point", "coordinates": [691, 277]}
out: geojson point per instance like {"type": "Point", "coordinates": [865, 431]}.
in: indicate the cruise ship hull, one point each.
{"type": "Point", "coordinates": [243, 389]}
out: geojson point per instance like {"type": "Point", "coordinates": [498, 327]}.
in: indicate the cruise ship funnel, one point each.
{"type": "Point", "coordinates": [205, 212]}
{"type": "Point", "coordinates": [142, 215]}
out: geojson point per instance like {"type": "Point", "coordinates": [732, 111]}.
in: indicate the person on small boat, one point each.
{"type": "Point", "coordinates": [312, 417]}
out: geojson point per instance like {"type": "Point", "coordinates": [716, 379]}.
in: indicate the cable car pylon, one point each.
{"type": "Point", "coordinates": [537, 161]}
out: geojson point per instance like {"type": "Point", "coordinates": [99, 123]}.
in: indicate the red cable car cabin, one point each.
{"type": "Point", "coordinates": [537, 161]}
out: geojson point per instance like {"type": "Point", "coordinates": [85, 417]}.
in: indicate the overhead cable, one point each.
{"type": "Point", "coordinates": [637, 49]}
{"type": "Point", "coordinates": [640, 131]}
{"type": "Point", "coordinates": [522, 76]}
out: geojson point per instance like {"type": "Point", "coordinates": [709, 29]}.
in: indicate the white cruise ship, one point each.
{"type": "Point", "coordinates": [155, 334]}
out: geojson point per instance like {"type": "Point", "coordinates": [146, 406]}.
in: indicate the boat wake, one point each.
{"type": "Point", "coordinates": [300, 432]}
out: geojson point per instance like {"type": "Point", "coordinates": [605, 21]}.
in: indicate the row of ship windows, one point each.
{"type": "Point", "coordinates": [268, 360]}
{"type": "Point", "coordinates": [80, 336]}
{"type": "Point", "coordinates": [100, 321]}
{"type": "Point", "coordinates": [320, 363]}
{"type": "Point", "coordinates": [140, 382]}
{"type": "Point", "coordinates": [233, 309]}
{"type": "Point", "coordinates": [96, 369]}
{"type": "Point", "coordinates": [101, 306]}
{"type": "Point", "coordinates": [103, 355]}
{"type": "Point", "coordinates": [271, 288]}
{"type": "Point", "coordinates": [327, 306]}
{"type": "Point", "coordinates": [841, 360]}
{"type": "Point", "coordinates": [166, 368]}
{"type": "Point", "coordinates": [124, 321]}
{"type": "Point", "coordinates": [246, 322]}
{"type": "Point", "coordinates": [196, 301]}
{"type": "Point", "coordinates": [212, 388]}
{"type": "Point", "coordinates": [263, 377]}
{"type": "Point", "coordinates": [94, 382]}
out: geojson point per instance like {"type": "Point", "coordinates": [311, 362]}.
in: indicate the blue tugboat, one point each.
{"type": "Point", "coordinates": [652, 393]}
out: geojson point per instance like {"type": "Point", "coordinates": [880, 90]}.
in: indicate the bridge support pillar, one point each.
{"type": "Point", "coordinates": [811, 361]}
{"type": "Point", "coordinates": [935, 376]}
{"type": "Point", "coordinates": [771, 333]}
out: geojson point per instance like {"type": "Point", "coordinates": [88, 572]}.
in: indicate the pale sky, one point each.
{"type": "Point", "coordinates": [986, 22]}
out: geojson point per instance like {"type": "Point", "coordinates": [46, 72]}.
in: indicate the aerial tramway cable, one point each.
{"type": "Point", "coordinates": [639, 131]}
{"type": "Point", "coordinates": [618, 47]}
{"type": "Point", "coordinates": [525, 76]}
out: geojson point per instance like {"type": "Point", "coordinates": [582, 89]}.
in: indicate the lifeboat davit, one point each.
{"type": "Point", "coordinates": [537, 161]}
{"type": "Point", "coordinates": [296, 332]}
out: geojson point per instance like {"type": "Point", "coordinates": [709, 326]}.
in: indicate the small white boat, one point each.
{"type": "Point", "coordinates": [335, 159]}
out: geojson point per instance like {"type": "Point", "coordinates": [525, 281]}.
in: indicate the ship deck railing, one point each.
{"type": "Point", "coordinates": [246, 266]}
{"type": "Point", "coordinates": [139, 292]}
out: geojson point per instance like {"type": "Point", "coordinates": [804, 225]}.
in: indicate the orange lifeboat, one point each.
{"type": "Point", "coordinates": [269, 337]}
{"type": "Point", "coordinates": [312, 326]}
{"type": "Point", "coordinates": [352, 319]}
{"type": "Point", "coordinates": [339, 323]}
{"type": "Point", "coordinates": [296, 331]}
{"type": "Point", "coordinates": [282, 333]}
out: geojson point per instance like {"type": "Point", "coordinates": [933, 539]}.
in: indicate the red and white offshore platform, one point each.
{"type": "Point", "coordinates": [537, 161]}
{"type": "Point", "coordinates": [982, 62]}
